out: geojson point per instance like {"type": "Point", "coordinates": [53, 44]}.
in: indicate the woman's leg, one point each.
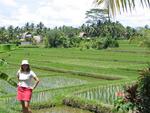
{"type": "Point", "coordinates": [27, 106]}
{"type": "Point", "coordinates": [23, 106]}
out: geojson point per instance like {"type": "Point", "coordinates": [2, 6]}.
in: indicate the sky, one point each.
{"type": "Point", "coordinates": [61, 12]}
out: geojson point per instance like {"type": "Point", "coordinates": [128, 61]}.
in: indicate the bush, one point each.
{"type": "Point", "coordinates": [104, 43]}
{"type": "Point", "coordinates": [128, 101]}
{"type": "Point", "coordinates": [55, 38]}
{"type": "Point", "coordinates": [75, 41]}
{"type": "Point", "coordinates": [97, 44]}
{"type": "Point", "coordinates": [144, 91]}
{"type": "Point", "coordinates": [109, 42]}
{"type": "Point", "coordinates": [137, 97]}
{"type": "Point", "coordinates": [3, 76]}
{"type": "Point", "coordinates": [5, 47]}
{"type": "Point", "coordinates": [86, 44]}
{"type": "Point", "coordinates": [87, 105]}
{"type": "Point", "coordinates": [28, 46]}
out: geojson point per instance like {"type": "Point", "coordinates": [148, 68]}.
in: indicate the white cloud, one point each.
{"type": "Point", "coordinates": [52, 12]}
{"type": "Point", "coordinates": [60, 12]}
{"type": "Point", "coordinates": [5, 21]}
{"type": "Point", "coordinates": [67, 12]}
{"type": "Point", "coordinates": [9, 2]}
{"type": "Point", "coordinates": [138, 17]}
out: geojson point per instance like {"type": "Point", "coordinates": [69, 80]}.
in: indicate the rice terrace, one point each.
{"type": "Point", "coordinates": [78, 77]}
{"type": "Point", "coordinates": [101, 66]}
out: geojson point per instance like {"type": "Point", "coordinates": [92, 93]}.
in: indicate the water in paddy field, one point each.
{"type": "Point", "coordinates": [63, 109]}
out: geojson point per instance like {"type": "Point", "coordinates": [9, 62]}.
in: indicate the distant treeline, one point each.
{"type": "Point", "coordinates": [96, 35]}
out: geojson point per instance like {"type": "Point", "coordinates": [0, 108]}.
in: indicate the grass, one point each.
{"type": "Point", "coordinates": [105, 94]}
{"type": "Point", "coordinates": [66, 72]}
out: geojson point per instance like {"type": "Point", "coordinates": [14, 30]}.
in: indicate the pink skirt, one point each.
{"type": "Point", "coordinates": [24, 94]}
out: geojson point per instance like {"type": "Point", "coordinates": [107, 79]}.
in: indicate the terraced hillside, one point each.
{"type": "Point", "coordinates": [71, 76]}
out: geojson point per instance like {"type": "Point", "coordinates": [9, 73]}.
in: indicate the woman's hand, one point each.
{"type": "Point", "coordinates": [31, 88]}
{"type": "Point", "coordinates": [36, 82]}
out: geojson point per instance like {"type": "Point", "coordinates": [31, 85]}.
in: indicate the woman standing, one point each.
{"type": "Point", "coordinates": [25, 87]}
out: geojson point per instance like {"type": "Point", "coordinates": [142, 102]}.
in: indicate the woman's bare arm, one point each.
{"type": "Point", "coordinates": [18, 77]}
{"type": "Point", "coordinates": [36, 82]}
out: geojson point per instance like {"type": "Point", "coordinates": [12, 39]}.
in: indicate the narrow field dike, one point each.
{"type": "Point", "coordinates": [92, 75]}
{"type": "Point", "coordinates": [78, 73]}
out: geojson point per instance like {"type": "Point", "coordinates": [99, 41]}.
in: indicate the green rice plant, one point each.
{"type": "Point", "coordinates": [7, 109]}
{"type": "Point", "coordinates": [10, 70]}
{"type": "Point", "coordinates": [43, 97]}
{"type": "Point", "coordinates": [103, 94]}
{"type": "Point", "coordinates": [58, 82]}
{"type": "Point", "coordinates": [39, 97]}
{"type": "Point", "coordinates": [6, 78]}
{"type": "Point", "coordinates": [6, 88]}
{"type": "Point", "coordinates": [9, 105]}
{"type": "Point", "coordinates": [3, 62]}
{"type": "Point", "coordinates": [13, 46]}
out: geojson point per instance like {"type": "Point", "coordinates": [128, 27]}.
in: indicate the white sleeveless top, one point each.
{"type": "Point", "coordinates": [25, 79]}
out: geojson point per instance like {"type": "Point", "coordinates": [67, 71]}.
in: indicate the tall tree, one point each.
{"type": "Point", "coordinates": [11, 33]}
{"type": "Point", "coordinates": [96, 16]}
{"type": "Point", "coordinates": [32, 27]}
{"type": "Point", "coordinates": [27, 27]}
{"type": "Point", "coordinates": [39, 28]}
{"type": "Point", "coordinates": [3, 35]}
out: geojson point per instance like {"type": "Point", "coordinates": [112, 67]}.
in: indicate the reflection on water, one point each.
{"type": "Point", "coordinates": [63, 109]}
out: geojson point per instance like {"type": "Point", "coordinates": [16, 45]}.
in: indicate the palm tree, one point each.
{"type": "Point", "coordinates": [3, 35]}
{"type": "Point", "coordinates": [118, 5]}
{"type": "Point", "coordinates": [32, 26]}
{"type": "Point", "coordinates": [27, 26]}
{"type": "Point", "coordinates": [11, 33]}
{"type": "Point", "coordinates": [39, 28]}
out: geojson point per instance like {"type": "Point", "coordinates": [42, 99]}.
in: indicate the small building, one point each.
{"type": "Point", "coordinates": [82, 34]}
{"type": "Point", "coordinates": [26, 43]}
{"type": "Point", "coordinates": [26, 35]}
{"type": "Point", "coordinates": [25, 38]}
{"type": "Point", "coordinates": [38, 39]}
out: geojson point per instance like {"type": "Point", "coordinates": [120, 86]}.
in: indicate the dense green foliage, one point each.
{"type": "Point", "coordinates": [144, 92]}
{"type": "Point", "coordinates": [68, 37]}
{"type": "Point", "coordinates": [136, 96]}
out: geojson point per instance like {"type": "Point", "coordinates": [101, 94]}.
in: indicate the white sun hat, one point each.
{"type": "Point", "coordinates": [24, 62]}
